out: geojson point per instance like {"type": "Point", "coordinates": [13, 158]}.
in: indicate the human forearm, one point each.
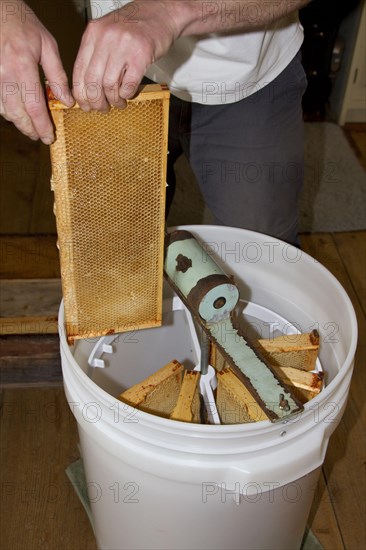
{"type": "Point", "coordinates": [197, 17]}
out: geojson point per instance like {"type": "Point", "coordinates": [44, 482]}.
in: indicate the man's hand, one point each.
{"type": "Point", "coordinates": [25, 43]}
{"type": "Point", "coordinates": [117, 49]}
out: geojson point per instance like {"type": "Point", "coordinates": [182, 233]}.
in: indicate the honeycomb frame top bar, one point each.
{"type": "Point", "coordinates": [154, 91]}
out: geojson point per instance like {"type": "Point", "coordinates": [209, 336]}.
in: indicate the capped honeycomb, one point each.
{"type": "Point", "coordinates": [109, 177]}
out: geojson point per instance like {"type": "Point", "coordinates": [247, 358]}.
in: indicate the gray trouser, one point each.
{"type": "Point", "coordinates": [247, 156]}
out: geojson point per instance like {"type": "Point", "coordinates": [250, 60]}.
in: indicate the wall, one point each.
{"type": "Point", "coordinates": [348, 31]}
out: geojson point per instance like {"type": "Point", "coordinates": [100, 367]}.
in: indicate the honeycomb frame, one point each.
{"type": "Point", "coordinates": [109, 181]}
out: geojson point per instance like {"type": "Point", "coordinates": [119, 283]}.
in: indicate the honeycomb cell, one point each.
{"type": "Point", "coordinates": [109, 174]}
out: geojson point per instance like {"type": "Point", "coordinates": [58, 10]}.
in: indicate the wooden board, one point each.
{"type": "Point", "coordinates": [39, 507]}
{"type": "Point", "coordinates": [356, 135]}
{"type": "Point", "coordinates": [344, 463]}
{"type": "Point", "coordinates": [352, 250]}
{"type": "Point", "coordinates": [29, 257]}
{"type": "Point", "coordinates": [29, 306]}
{"type": "Point", "coordinates": [30, 359]}
{"type": "Point", "coordinates": [323, 520]}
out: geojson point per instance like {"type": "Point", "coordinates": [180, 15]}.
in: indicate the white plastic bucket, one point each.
{"type": "Point", "coordinates": [162, 484]}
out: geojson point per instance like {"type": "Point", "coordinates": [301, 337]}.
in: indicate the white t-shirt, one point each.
{"type": "Point", "coordinates": [219, 68]}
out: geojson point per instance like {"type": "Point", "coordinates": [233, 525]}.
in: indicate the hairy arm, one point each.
{"type": "Point", "coordinates": [195, 17]}
{"type": "Point", "coordinates": [117, 49]}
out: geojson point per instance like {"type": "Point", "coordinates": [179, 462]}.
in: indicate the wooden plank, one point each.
{"type": "Point", "coordinates": [29, 257]}
{"type": "Point", "coordinates": [356, 135]}
{"type": "Point", "coordinates": [40, 508]}
{"type": "Point", "coordinates": [29, 297]}
{"type": "Point", "coordinates": [344, 463]}
{"type": "Point", "coordinates": [322, 518]}
{"type": "Point", "coordinates": [28, 325]}
{"type": "Point", "coordinates": [30, 359]}
{"type": "Point", "coordinates": [29, 306]}
{"type": "Point", "coordinates": [352, 249]}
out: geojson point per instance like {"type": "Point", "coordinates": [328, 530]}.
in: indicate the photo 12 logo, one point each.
{"type": "Point", "coordinates": [251, 492]}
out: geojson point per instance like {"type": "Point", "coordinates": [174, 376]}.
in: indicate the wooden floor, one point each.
{"type": "Point", "coordinates": [39, 509]}
{"type": "Point", "coordinates": [356, 135]}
